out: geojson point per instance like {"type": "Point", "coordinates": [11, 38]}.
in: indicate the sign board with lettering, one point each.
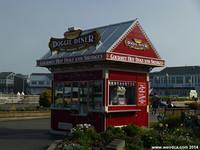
{"type": "Point", "coordinates": [73, 43]}
{"type": "Point", "coordinates": [137, 44]}
{"type": "Point", "coordinates": [102, 57]}
{"type": "Point", "coordinates": [71, 60]}
{"type": "Point", "coordinates": [134, 59]}
{"type": "Point", "coordinates": [141, 94]}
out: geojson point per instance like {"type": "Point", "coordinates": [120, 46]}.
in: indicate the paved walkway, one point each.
{"type": "Point", "coordinates": [32, 134]}
{"type": "Point", "coordinates": [152, 118]}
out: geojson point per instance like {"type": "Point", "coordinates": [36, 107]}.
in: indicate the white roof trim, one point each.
{"type": "Point", "coordinates": [118, 41]}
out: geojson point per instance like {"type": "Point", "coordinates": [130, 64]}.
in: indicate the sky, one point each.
{"type": "Point", "coordinates": [26, 26]}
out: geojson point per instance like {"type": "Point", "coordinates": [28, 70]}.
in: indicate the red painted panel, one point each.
{"type": "Point", "coordinates": [142, 119]}
{"type": "Point", "coordinates": [94, 118]}
{"type": "Point", "coordinates": [97, 120]}
{"type": "Point", "coordinates": [127, 118]}
{"type": "Point", "coordinates": [139, 35]}
{"type": "Point", "coordinates": [126, 76]}
{"type": "Point", "coordinates": [59, 116]}
{"type": "Point", "coordinates": [123, 108]}
{"type": "Point", "coordinates": [141, 77]}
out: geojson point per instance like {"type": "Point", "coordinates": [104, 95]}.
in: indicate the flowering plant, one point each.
{"type": "Point", "coordinates": [81, 127]}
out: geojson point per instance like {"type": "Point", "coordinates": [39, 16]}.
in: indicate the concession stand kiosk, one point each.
{"type": "Point", "coordinates": [100, 76]}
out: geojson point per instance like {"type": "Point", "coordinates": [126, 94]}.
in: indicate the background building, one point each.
{"type": "Point", "coordinates": [21, 83]}
{"type": "Point", "coordinates": [176, 81]}
{"type": "Point", "coordinates": [7, 82]}
{"type": "Point", "coordinates": [39, 82]}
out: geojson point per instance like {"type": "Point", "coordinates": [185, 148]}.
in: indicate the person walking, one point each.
{"type": "Point", "coordinates": [155, 103]}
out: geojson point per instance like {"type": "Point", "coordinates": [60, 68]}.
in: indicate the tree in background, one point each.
{"type": "Point", "coordinates": [45, 98]}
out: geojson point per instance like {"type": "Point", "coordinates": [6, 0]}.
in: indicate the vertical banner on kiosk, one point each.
{"type": "Point", "coordinates": [142, 94]}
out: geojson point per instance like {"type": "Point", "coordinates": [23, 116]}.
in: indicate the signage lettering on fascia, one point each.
{"type": "Point", "coordinates": [137, 44]}
{"type": "Point", "coordinates": [76, 43]}
{"type": "Point", "coordinates": [70, 60]}
{"type": "Point", "coordinates": [135, 59]}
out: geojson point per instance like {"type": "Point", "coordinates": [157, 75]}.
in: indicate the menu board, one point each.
{"type": "Point", "coordinates": [142, 94]}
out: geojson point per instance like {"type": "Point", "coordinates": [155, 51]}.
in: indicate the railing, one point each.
{"type": "Point", "coordinates": [12, 98]}
{"type": "Point", "coordinates": [173, 85]}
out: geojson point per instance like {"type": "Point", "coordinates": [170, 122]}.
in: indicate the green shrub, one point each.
{"type": "Point", "coordinates": [195, 132]}
{"type": "Point", "coordinates": [172, 121]}
{"type": "Point", "coordinates": [117, 132]}
{"type": "Point", "coordinates": [171, 139]}
{"type": "Point", "coordinates": [169, 132]}
{"type": "Point", "coordinates": [150, 138]}
{"type": "Point", "coordinates": [66, 145]}
{"type": "Point", "coordinates": [83, 137]}
{"type": "Point", "coordinates": [111, 133]}
{"type": "Point", "coordinates": [86, 136]}
{"type": "Point", "coordinates": [45, 98]}
{"type": "Point", "coordinates": [134, 143]}
{"type": "Point", "coordinates": [131, 130]}
{"type": "Point", "coordinates": [181, 131]}
{"type": "Point", "coordinates": [85, 140]}
{"type": "Point", "coordinates": [96, 140]}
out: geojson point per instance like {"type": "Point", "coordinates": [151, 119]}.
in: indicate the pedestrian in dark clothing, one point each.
{"type": "Point", "coordinates": [155, 103]}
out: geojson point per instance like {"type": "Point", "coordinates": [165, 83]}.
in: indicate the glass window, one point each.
{"type": "Point", "coordinates": [173, 80]}
{"type": "Point", "coordinates": [48, 82]}
{"type": "Point", "coordinates": [75, 93]}
{"type": "Point", "coordinates": [188, 79]}
{"type": "Point", "coordinates": [179, 80]}
{"type": "Point", "coordinates": [196, 80]}
{"type": "Point", "coordinates": [67, 97]}
{"type": "Point", "coordinates": [122, 93]}
{"type": "Point", "coordinates": [157, 79]}
{"type": "Point", "coordinates": [79, 95]}
{"type": "Point", "coordinates": [41, 82]}
{"type": "Point", "coordinates": [83, 92]}
{"type": "Point", "coordinates": [33, 82]}
{"type": "Point", "coordinates": [95, 95]}
{"type": "Point", "coordinates": [58, 92]}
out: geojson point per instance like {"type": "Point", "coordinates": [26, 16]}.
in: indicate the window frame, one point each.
{"type": "Point", "coordinates": [63, 106]}
{"type": "Point", "coordinates": [135, 85]}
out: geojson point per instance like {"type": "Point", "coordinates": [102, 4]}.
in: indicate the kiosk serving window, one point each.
{"type": "Point", "coordinates": [122, 93]}
{"type": "Point", "coordinates": [79, 95]}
